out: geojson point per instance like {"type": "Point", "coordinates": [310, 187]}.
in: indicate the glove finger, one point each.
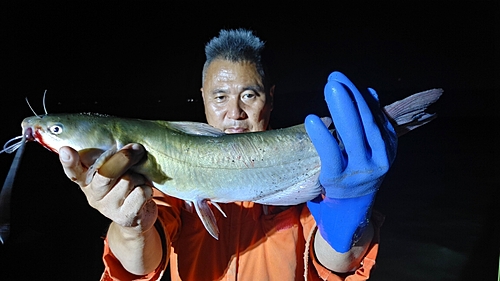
{"type": "Point", "coordinates": [372, 140]}
{"type": "Point", "coordinates": [389, 137]}
{"type": "Point", "coordinates": [326, 145]}
{"type": "Point", "coordinates": [347, 120]}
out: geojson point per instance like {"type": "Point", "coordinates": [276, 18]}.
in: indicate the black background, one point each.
{"type": "Point", "coordinates": [143, 59]}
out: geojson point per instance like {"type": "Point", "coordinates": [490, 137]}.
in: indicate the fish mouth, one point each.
{"type": "Point", "coordinates": [28, 134]}
{"type": "Point", "coordinates": [32, 134]}
{"type": "Point", "coordinates": [33, 131]}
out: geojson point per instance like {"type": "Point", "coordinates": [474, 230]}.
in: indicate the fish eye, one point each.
{"type": "Point", "coordinates": [56, 129]}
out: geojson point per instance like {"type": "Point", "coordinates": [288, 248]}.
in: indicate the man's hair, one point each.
{"type": "Point", "coordinates": [235, 46]}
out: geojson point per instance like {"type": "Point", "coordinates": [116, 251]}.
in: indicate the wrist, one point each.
{"type": "Point", "coordinates": [342, 262]}
{"type": "Point", "coordinates": [139, 251]}
{"type": "Point", "coordinates": [128, 232]}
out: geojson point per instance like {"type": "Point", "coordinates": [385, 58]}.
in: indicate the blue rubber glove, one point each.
{"type": "Point", "coordinates": [353, 164]}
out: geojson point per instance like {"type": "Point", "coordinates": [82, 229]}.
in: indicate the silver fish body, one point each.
{"type": "Point", "coordinates": [196, 162]}
{"type": "Point", "coordinates": [193, 161]}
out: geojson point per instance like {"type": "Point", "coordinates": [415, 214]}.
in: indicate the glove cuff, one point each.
{"type": "Point", "coordinates": [341, 222]}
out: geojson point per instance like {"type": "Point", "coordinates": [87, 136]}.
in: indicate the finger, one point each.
{"type": "Point", "coordinates": [149, 213]}
{"type": "Point", "coordinates": [389, 137]}
{"type": "Point", "coordinates": [371, 129]}
{"type": "Point", "coordinates": [325, 144]}
{"type": "Point", "coordinates": [116, 197]}
{"type": "Point", "coordinates": [88, 156]}
{"type": "Point", "coordinates": [121, 161]}
{"type": "Point", "coordinates": [371, 117]}
{"type": "Point", "coordinates": [347, 120]}
{"type": "Point", "coordinates": [114, 168]}
{"type": "Point", "coordinates": [136, 200]}
{"type": "Point", "coordinates": [72, 166]}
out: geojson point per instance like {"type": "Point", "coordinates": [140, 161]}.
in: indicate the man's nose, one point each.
{"type": "Point", "coordinates": [235, 110]}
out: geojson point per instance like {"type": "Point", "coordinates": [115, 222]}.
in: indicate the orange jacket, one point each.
{"type": "Point", "coordinates": [256, 242]}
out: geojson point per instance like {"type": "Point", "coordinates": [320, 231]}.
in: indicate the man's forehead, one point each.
{"type": "Point", "coordinates": [224, 71]}
{"type": "Point", "coordinates": [224, 74]}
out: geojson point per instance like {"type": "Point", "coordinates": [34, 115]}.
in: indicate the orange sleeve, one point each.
{"type": "Point", "coordinates": [168, 214]}
{"type": "Point", "coordinates": [368, 262]}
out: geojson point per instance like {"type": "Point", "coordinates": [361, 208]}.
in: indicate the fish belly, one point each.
{"type": "Point", "coordinates": [279, 167]}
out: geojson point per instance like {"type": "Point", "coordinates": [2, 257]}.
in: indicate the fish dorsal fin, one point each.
{"type": "Point", "coordinates": [196, 128]}
{"type": "Point", "coordinates": [207, 217]}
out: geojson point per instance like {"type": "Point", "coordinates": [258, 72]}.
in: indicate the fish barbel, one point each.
{"type": "Point", "coordinates": [200, 164]}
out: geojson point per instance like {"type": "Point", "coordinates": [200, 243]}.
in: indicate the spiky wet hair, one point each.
{"type": "Point", "coordinates": [235, 46]}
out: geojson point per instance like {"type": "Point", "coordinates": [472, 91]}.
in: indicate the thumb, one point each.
{"type": "Point", "coordinates": [73, 168]}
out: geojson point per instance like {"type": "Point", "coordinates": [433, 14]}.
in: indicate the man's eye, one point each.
{"type": "Point", "coordinates": [250, 95]}
{"type": "Point", "coordinates": [219, 98]}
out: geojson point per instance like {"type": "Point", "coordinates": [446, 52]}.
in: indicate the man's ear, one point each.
{"type": "Point", "coordinates": [271, 96]}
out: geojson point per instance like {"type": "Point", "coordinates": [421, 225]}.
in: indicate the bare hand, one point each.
{"type": "Point", "coordinates": [117, 193]}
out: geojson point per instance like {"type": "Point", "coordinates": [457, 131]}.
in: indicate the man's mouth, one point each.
{"type": "Point", "coordinates": [235, 130]}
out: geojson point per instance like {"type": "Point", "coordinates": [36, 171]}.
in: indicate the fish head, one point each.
{"type": "Point", "coordinates": [78, 131]}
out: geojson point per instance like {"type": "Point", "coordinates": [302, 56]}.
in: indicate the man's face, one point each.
{"type": "Point", "coordinates": [234, 97]}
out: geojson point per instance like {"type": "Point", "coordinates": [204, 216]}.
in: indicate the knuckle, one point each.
{"type": "Point", "coordinates": [100, 182]}
{"type": "Point", "coordinates": [129, 218]}
{"type": "Point", "coordinates": [124, 221]}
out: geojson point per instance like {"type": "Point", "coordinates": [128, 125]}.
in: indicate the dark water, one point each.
{"type": "Point", "coordinates": [441, 205]}
{"type": "Point", "coordinates": [144, 61]}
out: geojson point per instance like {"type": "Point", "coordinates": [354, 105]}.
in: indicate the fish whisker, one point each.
{"type": "Point", "coordinates": [11, 148]}
{"type": "Point", "coordinates": [44, 108]}
{"type": "Point", "coordinates": [32, 108]}
{"type": "Point", "coordinates": [43, 101]}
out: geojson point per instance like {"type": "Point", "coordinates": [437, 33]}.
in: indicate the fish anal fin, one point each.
{"type": "Point", "coordinates": [219, 208]}
{"type": "Point", "coordinates": [207, 217]}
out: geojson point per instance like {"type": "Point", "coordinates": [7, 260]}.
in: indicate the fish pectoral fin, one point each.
{"type": "Point", "coordinates": [98, 163]}
{"type": "Point", "coordinates": [207, 217]}
{"type": "Point", "coordinates": [327, 121]}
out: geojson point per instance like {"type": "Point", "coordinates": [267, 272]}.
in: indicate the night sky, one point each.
{"type": "Point", "coordinates": [143, 59]}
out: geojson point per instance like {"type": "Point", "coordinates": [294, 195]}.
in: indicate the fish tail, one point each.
{"type": "Point", "coordinates": [409, 113]}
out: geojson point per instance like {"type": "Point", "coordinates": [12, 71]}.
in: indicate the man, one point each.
{"type": "Point", "coordinates": [328, 238]}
